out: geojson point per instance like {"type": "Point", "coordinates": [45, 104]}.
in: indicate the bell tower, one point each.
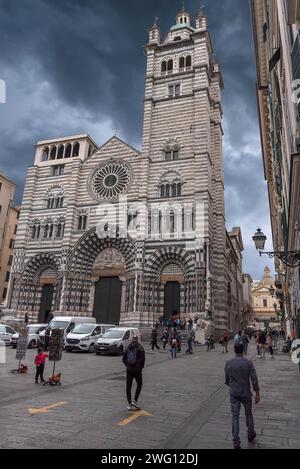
{"type": "Point", "coordinates": [182, 135]}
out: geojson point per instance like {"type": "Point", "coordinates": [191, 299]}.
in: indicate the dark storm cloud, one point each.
{"type": "Point", "coordinates": [78, 66]}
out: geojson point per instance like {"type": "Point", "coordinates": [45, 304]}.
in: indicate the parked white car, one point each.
{"type": "Point", "coordinates": [84, 337]}
{"type": "Point", "coordinates": [66, 323]}
{"type": "Point", "coordinates": [33, 335]}
{"type": "Point", "coordinates": [6, 333]}
{"type": "Point", "coordinates": [116, 340]}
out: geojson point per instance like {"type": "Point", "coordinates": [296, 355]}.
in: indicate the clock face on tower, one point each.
{"type": "Point", "coordinates": [110, 180]}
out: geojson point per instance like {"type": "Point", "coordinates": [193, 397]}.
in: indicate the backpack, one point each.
{"type": "Point", "coordinates": [131, 356]}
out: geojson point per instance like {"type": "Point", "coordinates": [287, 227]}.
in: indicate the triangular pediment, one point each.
{"type": "Point", "coordinates": [115, 148]}
{"type": "Point", "coordinates": [261, 289]}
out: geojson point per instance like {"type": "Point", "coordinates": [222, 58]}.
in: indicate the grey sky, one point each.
{"type": "Point", "coordinates": [74, 66]}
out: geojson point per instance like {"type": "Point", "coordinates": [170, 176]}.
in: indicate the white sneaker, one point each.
{"type": "Point", "coordinates": [129, 407]}
{"type": "Point", "coordinates": [135, 406]}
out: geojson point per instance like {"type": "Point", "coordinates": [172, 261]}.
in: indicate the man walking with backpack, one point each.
{"type": "Point", "coordinates": [134, 360]}
{"type": "Point", "coordinates": [240, 374]}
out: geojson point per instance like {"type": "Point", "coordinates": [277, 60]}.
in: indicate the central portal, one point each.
{"type": "Point", "coordinates": [107, 303]}
{"type": "Point", "coordinates": [172, 298]}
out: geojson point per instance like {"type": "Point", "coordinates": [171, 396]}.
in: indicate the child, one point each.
{"type": "Point", "coordinates": [190, 341]}
{"type": "Point", "coordinates": [165, 338]}
{"type": "Point", "coordinates": [174, 346]}
{"type": "Point", "coordinates": [39, 362]}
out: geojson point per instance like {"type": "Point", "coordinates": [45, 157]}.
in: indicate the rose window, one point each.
{"type": "Point", "coordinates": [110, 180]}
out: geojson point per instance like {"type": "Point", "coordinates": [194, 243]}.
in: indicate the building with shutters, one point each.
{"type": "Point", "coordinates": [277, 45]}
{"type": "Point", "coordinates": [9, 215]}
{"type": "Point", "coordinates": [125, 235]}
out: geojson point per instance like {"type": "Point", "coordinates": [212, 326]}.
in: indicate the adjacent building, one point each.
{"type": "Point", "coordinates": [277, 46]}
{"type": "Point", "coordinates": [248, 300]}
{"type": "Point", "coordinates": [8, 229]}
{"type": "Point", "coordinates": [235, 299]}
{"type": "Point", "coordinates": [266, 307]}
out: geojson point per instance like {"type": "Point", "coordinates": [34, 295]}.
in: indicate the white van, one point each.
{"type": "Point", "coordinates": [116, 340]}
{"type": "Point", "coordinates": [84, 337]}
{"type": "Point", "coordinates": [33, 335]}
{"type": "Point", "coordinates": [6, 333]}
{"type": "Point", "coordinates": [67, 323]}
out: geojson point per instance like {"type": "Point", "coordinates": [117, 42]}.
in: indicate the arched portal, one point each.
{"type": "Point", "coordinates": [37, 293]}
{"type": "Point", "coordinates": [108, 275]}
{"type": "Point", "coordinates": [171, 279]}
{"type": "Point", "coordinates": [47, 285]}
{"type": "Point", "coordinates": [101, 278]}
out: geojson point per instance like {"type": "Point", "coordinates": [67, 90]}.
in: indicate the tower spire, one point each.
{"type": "Point", "coordinates": [201, 20]}
{"type": "Point", "coordinates": [201, 11]}
{"type": "Point", "coordinates": [154, 33]}
{"type": "Point", "coordinates": [154, 26]}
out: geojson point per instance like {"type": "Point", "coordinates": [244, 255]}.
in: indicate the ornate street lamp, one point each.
{"type": "Point", "coordinates": [288, 258]}
{"type": "Point", "coordinates": [272, 291]}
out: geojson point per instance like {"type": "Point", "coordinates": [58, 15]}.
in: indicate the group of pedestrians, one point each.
{"type": "Point", "coordinates": [173, 337]}
{"type": "Point", "coordinates": [264, 342]}
{"type": "Point", "coordinates": [240, 375]}
{"type": "Point", "coordinates": [176, 321]}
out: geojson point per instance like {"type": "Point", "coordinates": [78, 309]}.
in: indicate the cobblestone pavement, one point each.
{"type": "Point", "coordinates": [186, 397]}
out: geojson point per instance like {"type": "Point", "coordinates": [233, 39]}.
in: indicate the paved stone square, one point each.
{"type": "Point", "coordinates": [186, 399]}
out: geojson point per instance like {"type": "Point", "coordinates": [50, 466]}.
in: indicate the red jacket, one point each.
{"type": "Point", "coordinates": [40, 358]}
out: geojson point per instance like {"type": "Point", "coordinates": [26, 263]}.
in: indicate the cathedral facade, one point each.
{"type": "Point", "coordinates": [128, 236]}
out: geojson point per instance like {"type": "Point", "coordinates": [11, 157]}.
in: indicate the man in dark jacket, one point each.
{"type": "Point", "coordinates": [134, 360]}
{"type": "Point", "coordinates": [239, 372]}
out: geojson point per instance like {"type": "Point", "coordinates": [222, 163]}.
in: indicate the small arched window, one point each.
{"type": "Point", "coordinates": [179, 191]}
{"type": "Point", "coordinates": [172, 222]}
{"type": "Point", "coordinates": [76, 149]}
{"type": "Point", "coordinates": [45, 155]}
{"type": "Point", "coordinates": [46, 231]}
{"type": "Point", "coordinates": [172, 155]}
{"type": "Point", "coordinates": [170, 65]}
{"type": "Point", "coordinates": [181, 63]}
{"type": "Point", "coordinates": [167, 190]}
{"type": "Point", "coordinates": [177, 38]}
{"type": "Point", "coordinates": [162, 191]}
{"type": "Point", "coordinates": [68, 151]}
{"type": "Point", "coordinates": [53, 153]}
{"type": "Point", "coordinates": [60, 230]}
{"type": "Point", "coordinates": [174, 190]}
{"type": "Point", "coordinates": [188, 62]}
{"type": "Point", "coordinates": [60, 153]}
{"type": "Point", "coordinates": [163, 67]}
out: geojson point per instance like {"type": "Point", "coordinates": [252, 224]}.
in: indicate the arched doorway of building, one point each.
{"type": "Point", "coordinates": [47, 285]}
{"type": "Point", "coordinates": [172, 298]}
{"type": "Point", "coordinates": [46, 303]}
{"type": "Point", "coordinates": [107, 300]}
{"type": "Point", "coordinates": [108, 267]}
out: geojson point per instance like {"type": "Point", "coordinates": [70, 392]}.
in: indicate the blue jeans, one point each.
{"type": "Point", "coordinates": [235, 411]}
{"type": "Point", "coordinates": [245, 349]}
{"type": "Point", "coordinates": [174, 352]}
